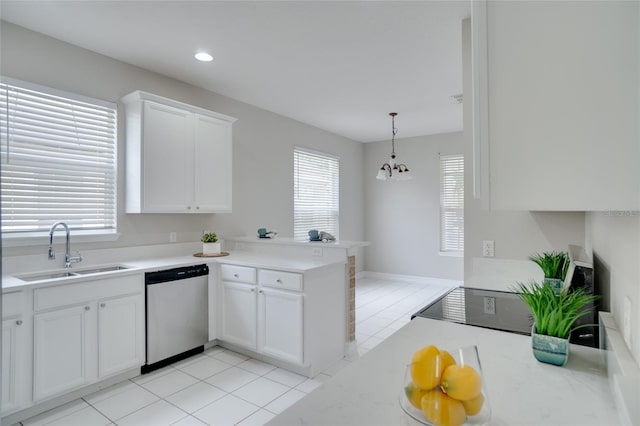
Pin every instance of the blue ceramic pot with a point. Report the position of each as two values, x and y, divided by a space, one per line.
555 283
549 349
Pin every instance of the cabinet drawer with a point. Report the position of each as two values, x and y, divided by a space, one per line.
12 304
71 294
238 273
279 279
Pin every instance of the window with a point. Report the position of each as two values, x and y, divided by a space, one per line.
315 193
452 204
58 161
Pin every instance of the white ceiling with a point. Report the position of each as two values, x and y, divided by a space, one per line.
341 66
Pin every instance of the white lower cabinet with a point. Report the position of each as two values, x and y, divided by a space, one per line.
15 356
238 305
255 316
62 348
100 335
120 334
280 323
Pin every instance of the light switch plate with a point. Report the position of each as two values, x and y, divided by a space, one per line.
488 248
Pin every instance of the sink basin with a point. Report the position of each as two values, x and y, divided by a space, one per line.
71 273
48 276
102 269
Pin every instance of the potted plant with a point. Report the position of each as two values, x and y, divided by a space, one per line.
554 315
210 243
554 265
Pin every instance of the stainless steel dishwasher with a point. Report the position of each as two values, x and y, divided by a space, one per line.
177 314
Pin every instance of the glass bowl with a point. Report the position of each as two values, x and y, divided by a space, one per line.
440 407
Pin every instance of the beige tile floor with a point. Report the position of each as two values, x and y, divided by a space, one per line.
221 387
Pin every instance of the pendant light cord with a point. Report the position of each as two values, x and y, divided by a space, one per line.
393 134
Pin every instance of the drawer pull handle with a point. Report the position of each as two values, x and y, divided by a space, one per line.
236 276
86 308
102 305
279 281
260 291
19 322
253 289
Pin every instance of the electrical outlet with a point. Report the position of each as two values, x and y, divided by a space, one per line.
489 305
626 321
488 248
317 251
172 237
239 246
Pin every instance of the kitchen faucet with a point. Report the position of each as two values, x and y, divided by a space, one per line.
68 259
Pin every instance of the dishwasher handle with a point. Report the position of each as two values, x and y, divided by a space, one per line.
175 274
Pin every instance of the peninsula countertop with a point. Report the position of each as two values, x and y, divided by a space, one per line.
521 390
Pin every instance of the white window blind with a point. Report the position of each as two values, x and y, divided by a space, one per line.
58 160
315 193
451 203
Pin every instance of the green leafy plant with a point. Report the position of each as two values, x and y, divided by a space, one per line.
555 314
553 264
209 237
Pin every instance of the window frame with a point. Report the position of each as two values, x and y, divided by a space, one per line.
299 234
27 238
445 248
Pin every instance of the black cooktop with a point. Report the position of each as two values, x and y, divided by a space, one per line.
499 310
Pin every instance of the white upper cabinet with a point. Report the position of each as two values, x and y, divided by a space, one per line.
178 157
556 105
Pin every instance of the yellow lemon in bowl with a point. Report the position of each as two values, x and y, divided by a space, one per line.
442 410
461 382
473 406
414 395
427 367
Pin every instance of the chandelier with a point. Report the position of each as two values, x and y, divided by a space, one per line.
391 170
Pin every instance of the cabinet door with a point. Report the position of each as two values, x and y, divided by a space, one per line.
120 334
563 105
212 164
280 324
167 159
62 350
14 358
238 305
213 309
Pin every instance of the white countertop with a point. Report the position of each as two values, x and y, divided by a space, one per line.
292 242
258 260
522 391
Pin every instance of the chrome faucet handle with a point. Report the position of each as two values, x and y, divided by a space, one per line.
52 254
75 259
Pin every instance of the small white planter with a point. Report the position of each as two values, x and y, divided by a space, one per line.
211 248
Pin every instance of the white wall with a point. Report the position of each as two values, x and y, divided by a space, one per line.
517 234
262 151
614 238
402 218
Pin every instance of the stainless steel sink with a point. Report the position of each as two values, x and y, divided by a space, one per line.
74 273
48 276
102 269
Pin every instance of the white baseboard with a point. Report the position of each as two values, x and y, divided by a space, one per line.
413 279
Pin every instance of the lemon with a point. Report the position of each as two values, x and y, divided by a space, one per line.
414 395
426 367
461 382
473 406
442 410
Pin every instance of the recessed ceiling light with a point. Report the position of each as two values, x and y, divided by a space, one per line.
203 57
